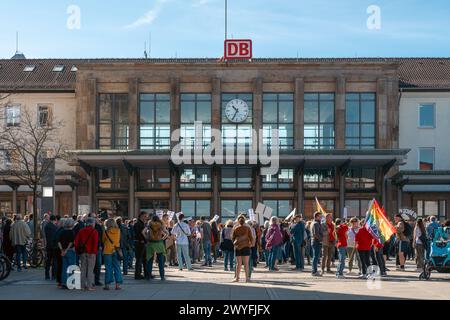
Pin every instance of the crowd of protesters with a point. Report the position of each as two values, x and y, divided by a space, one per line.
91 241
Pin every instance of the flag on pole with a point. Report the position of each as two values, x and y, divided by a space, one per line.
319 207
378 224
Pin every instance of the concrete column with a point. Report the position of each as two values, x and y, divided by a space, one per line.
133 114
132 194
382 115
399 197
74 200
173 189
340 113
14 200
174 106
215 184
299 111
216 103
257 181
257 104
92 190
341 195
300 192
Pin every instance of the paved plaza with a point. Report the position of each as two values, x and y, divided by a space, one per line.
215 284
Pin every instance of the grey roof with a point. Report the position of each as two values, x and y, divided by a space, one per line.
414 73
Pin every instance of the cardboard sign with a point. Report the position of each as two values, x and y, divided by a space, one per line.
171 215
216 218
291 215
251 215
268 212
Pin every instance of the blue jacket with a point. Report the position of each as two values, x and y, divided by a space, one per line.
297 232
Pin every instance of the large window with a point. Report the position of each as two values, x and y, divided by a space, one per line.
112 179
283 180
154 179
44 115
437 208
195 107
154 115
357 208
5 159
427 115
196 208
151 206
236 178
319 178
360 179
319 121
195 178
12 115
237 134
426 159
311 207
278 113
114 208
232 208
281 208
360 121
113 126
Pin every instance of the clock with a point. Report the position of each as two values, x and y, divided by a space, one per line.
237 111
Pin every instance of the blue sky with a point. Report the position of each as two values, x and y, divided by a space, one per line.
195 28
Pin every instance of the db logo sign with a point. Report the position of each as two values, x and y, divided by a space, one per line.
238 49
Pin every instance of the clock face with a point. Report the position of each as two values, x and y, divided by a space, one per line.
237 110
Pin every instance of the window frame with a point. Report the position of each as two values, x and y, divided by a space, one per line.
434 115
434 157
196 202
205 125
236 126
49 111
360 123
155 185
278 123
115 183
196 184
154 124
318 124
320 185
15 117
276 185
236 178
113 123
348 184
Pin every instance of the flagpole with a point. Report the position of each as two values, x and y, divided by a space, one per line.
226 19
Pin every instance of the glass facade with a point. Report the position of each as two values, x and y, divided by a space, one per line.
357 208
319 121
110 179
195 178
278 113
319 178
196 208
113 126
154 179
195 107
283 180
114 208
232 208
360 115
360 179
237 134
236 178
281 208
154 121
311 207
151 206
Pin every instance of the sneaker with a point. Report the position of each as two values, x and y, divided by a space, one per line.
362 276
340 276
317 274
226 269
235 280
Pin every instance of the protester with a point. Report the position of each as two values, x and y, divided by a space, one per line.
206 233
66 247
341 231
124 244
98 261
363 241
328 242
140 247
7 246
215 240
274 240
316 242
155 233
352 252
182 232
307 250
20 234
420 243
431 229
242 239
227 246
86 247
50 253
112 254
297 231
402 240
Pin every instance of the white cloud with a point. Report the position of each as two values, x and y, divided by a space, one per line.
198 3
149 16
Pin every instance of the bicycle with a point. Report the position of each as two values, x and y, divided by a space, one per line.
5 267
35 254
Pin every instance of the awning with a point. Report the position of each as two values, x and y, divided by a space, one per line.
422 178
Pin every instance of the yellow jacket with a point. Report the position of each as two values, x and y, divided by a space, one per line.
114 235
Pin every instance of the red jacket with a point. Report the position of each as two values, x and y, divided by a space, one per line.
89 237
376 244
341 231
363 240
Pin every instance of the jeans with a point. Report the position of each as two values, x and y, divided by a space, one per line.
161 260
340 268
228 258
352 253
141 254
68 260
273 256
183 252
50 261
125 261
207 251
21 252
112 268
316 247
298 255
266 256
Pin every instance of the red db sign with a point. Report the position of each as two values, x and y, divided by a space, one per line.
238 49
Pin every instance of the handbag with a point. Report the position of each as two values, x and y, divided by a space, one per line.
117 249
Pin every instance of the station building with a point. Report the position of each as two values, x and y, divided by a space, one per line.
339 122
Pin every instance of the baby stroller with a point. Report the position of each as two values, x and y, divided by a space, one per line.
439 256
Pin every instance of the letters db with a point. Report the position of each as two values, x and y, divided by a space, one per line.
238 49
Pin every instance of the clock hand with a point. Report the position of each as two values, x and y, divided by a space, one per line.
235 114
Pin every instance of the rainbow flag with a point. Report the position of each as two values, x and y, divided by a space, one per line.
378 224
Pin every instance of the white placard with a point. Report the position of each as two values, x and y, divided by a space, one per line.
216 218
251 215
291 215
345 213
171 215
260 208
160 214
268 212
260 219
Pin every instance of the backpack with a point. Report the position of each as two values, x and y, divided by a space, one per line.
408 230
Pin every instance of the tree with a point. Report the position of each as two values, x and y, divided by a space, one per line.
30 144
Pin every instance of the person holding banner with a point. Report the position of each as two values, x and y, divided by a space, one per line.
242 239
